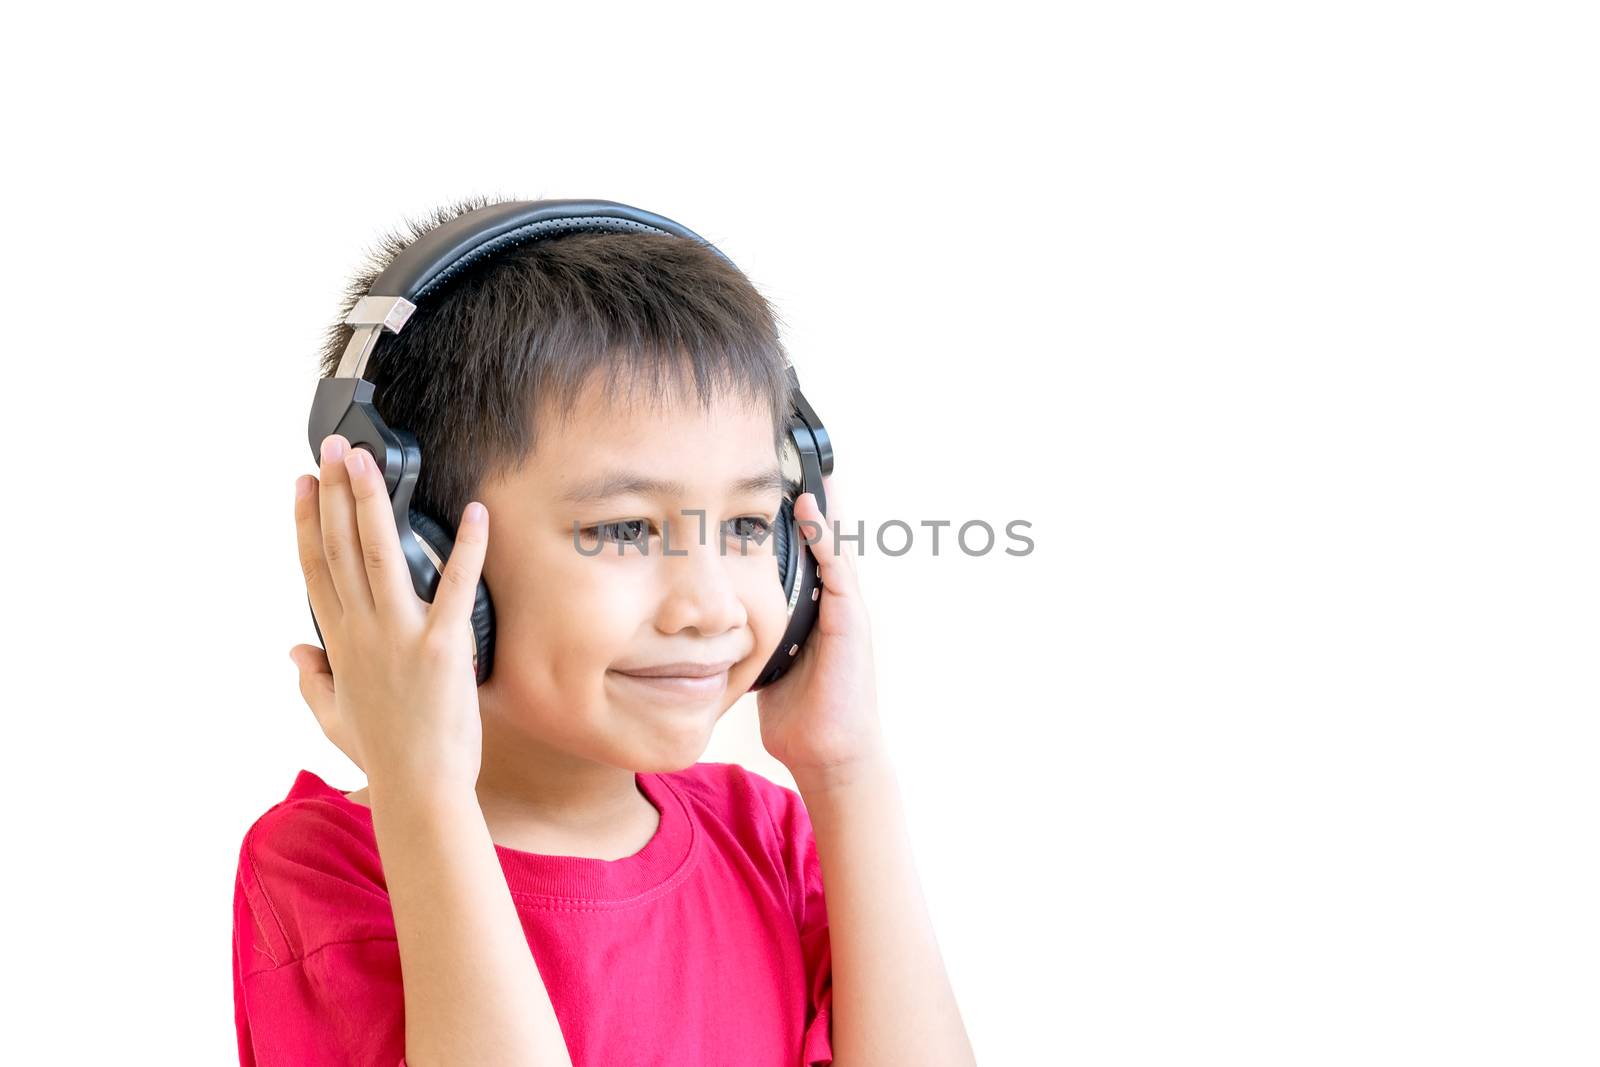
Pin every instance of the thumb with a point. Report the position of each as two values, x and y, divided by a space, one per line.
316 676
310 658
316 687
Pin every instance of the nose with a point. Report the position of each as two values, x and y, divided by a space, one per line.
699 592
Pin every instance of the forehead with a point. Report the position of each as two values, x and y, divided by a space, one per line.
610 427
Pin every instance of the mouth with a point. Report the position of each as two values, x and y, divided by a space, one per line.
683 681
678 686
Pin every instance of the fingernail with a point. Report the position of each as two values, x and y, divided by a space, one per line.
302 487
474 512
355 461
332 448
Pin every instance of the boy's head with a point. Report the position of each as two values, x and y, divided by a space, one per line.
534 382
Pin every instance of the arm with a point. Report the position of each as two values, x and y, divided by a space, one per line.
406 711
472 990
892 1002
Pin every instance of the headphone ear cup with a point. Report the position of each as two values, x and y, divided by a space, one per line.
783 534
440 541
790 548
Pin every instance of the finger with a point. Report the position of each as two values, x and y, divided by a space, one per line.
835 508
831 559
310 658
458 584
840 517
387 575
836 512
341 545
325 602
316 681
317 689
836 520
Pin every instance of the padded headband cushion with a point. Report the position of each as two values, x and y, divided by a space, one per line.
442 252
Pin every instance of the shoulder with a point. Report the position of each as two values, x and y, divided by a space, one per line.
308 874
314 827
728 790
762 816
767 819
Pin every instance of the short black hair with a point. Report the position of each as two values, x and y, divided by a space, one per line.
522 331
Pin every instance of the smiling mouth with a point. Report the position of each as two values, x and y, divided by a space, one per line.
678 686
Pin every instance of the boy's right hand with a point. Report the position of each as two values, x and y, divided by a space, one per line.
405 706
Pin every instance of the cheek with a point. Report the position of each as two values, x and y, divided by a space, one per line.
592 616
764 602
564 611
574 615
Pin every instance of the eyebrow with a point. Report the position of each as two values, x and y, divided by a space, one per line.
626 483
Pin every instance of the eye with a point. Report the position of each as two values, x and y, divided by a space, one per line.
758 527
626 531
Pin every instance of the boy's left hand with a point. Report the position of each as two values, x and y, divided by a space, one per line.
820 720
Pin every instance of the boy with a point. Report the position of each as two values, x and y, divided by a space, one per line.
541 858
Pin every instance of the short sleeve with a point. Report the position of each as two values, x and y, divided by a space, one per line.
316 966
804 876
341 1005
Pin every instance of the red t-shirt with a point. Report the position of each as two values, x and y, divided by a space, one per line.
708 946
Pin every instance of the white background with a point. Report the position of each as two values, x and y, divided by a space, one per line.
1277 322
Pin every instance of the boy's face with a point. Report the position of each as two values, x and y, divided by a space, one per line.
570 620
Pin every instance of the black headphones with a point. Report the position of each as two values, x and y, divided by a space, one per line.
344 404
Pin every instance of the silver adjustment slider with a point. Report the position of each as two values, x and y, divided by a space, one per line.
370 317
390 312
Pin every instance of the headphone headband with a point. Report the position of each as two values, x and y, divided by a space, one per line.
444 251
436 256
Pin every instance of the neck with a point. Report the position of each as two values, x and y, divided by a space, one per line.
542 799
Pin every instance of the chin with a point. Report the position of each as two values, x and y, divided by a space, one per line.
659 760
666 753
660 737
671 766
